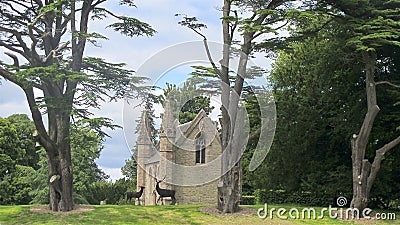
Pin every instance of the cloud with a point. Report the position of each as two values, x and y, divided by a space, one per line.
134 52
8 109
160 15
114 173
6 88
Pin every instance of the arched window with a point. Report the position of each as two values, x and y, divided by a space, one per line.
200 148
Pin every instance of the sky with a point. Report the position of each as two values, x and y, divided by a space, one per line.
134 52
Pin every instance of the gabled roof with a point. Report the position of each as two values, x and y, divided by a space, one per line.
185 130
188 127
182 132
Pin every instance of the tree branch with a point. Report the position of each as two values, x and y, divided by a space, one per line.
210 58
98 3
37 118
11 48
377 160
9 76
234 26
367 125
389 146
53 53
263 32
195 29
13 18
16 11
18 36
388 83
110 13
15 59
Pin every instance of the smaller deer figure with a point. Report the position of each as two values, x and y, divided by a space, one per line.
165 192
130 195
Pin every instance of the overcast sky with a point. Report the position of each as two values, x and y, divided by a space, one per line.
134 52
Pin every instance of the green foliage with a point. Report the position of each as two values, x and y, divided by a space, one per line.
113 193
132 27
86 146
25 129
37 75
254 114
128 3
193 106
10 151
69 83
248 200
130 167
298 198
319 91
372 23
374 27
39 181
317 96
21 185
149 109
385 193
17 157
10 155
189 100
191 22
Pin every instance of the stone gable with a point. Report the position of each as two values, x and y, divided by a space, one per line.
179 144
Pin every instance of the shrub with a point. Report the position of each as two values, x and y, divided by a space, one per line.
113 193
283 197
248 200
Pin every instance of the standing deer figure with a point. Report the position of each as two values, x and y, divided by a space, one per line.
130 195
165 192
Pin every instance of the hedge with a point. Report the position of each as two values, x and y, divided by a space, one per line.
248 200
282 197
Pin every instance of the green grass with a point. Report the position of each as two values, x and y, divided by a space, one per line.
128 214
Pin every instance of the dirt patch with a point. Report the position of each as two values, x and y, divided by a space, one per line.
243 211
77 209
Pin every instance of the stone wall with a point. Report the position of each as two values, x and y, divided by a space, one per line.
206 193
204 176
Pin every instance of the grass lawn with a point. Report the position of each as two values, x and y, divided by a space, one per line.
129 214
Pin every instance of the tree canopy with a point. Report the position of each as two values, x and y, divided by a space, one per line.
51 37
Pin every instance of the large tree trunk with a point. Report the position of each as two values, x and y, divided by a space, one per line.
60 184
226 186
229 191
233 136
361 166
54 184
59 164
56 142
364 173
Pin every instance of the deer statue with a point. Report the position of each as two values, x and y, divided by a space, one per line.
164 192
130 195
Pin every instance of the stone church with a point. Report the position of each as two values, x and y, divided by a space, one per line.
188 156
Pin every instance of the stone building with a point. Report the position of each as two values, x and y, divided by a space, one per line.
187 155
